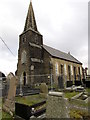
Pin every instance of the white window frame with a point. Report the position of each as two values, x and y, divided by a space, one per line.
56 69
65 69
81 70
71 70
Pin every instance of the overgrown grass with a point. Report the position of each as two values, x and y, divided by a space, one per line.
70 94
5 115
79 103
77 114
30 100
88 90
0 102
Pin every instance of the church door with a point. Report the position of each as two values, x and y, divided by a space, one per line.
24 78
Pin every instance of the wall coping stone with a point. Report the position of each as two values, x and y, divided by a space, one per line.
58 94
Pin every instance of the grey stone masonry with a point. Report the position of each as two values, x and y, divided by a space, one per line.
57 106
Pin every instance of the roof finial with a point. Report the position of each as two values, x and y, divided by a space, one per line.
69 52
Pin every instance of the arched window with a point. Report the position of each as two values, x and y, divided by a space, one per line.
61 66
65 69
23 57
69 72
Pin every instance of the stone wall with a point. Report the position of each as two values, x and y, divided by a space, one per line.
65 75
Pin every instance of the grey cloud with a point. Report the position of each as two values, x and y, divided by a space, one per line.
63 26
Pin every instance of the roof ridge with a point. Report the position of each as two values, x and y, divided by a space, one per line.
56 49
59 54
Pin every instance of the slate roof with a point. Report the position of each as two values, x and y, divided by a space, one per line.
59 54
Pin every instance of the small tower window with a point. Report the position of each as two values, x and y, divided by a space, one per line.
23 57
24 39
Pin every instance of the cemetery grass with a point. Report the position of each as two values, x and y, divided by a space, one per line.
4 115
30 100
69 95
0 102
77 114
79 104
88 90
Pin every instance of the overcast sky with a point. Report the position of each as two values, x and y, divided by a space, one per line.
63 24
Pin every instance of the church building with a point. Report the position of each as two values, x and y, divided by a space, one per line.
38 62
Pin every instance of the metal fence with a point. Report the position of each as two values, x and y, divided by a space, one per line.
29 84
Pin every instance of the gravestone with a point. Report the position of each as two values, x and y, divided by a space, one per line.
43 89
9 105
60 82
57 106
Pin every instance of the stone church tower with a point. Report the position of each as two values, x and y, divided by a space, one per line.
41 63
30 56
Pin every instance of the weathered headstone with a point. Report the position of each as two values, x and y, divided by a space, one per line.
9 105
57 106
43 89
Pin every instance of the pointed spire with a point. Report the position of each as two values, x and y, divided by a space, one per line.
30 20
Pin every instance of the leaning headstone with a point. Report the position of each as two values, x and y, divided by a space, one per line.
57 106
9 105
43 89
